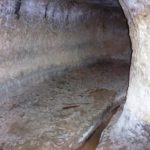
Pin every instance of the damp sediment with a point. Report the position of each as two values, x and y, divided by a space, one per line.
62 112
92 142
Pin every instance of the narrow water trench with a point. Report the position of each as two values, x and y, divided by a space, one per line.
93 141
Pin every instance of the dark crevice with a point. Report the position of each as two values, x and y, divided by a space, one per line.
17 9
93 141
46 8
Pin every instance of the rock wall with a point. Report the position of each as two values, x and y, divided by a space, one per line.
138 96
38 35
132 130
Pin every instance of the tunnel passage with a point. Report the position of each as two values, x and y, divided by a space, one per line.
64 68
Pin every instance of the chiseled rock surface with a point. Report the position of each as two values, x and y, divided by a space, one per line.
38 35
132 130
61 112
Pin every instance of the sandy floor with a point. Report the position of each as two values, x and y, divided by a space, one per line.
61 112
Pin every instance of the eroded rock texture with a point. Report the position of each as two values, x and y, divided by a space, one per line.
63 111
40 36
132 131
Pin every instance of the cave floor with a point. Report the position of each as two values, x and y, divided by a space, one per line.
61 112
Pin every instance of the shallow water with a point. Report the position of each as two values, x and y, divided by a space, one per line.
101 95
93 141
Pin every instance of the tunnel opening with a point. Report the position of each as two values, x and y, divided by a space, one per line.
64 72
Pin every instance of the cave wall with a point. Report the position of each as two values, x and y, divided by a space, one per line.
41 35
136 112
131 129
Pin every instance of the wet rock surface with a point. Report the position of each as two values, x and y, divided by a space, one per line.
61 112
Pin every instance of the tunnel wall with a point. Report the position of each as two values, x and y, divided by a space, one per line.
42 36
131 128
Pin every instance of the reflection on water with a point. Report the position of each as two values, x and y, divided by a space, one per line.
93 141
102 95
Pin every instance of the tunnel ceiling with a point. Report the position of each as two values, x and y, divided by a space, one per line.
41 6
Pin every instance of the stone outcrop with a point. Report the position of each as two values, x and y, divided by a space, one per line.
138 93
132 130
